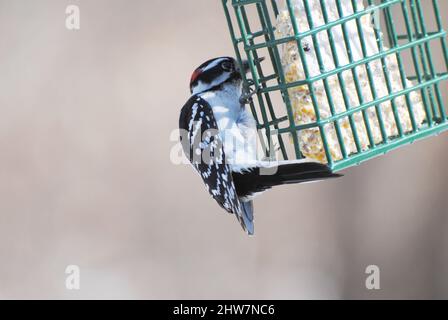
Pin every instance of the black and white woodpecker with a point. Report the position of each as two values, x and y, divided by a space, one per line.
219 137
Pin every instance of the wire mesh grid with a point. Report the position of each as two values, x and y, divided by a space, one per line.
413 33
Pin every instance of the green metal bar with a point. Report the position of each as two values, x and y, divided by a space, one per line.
330 25
412 40
282 80
307 75
239 59
414 15
263 81
357 159
240 3
361 62
441 113
426 59
394 43
405 36
440 74
247 29
268 78
327 88
275 122
355 77
369 74
267 96
275 7
252 36
235 46
440 28
443 42
379 41
370 104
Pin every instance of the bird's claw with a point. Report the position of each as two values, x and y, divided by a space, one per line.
246 99
248 93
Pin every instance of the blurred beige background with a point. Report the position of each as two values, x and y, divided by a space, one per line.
86 177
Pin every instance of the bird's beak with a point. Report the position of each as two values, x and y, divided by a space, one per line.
246 64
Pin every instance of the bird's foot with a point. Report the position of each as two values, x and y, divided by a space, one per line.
248 93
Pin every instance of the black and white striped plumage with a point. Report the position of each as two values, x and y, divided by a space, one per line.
202 138
218 136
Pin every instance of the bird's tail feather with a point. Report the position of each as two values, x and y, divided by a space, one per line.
250 182
258 179
299 172
247 216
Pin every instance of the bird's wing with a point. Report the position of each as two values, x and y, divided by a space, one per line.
203 146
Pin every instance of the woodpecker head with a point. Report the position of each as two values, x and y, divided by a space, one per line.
215 72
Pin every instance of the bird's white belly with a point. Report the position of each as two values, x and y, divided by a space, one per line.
237 129
239 137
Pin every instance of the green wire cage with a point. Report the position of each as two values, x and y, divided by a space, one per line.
343 80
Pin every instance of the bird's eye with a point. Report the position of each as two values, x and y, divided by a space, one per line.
306 47
227 66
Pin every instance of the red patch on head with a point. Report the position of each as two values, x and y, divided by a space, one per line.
195 75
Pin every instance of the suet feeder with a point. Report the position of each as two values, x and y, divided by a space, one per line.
344 80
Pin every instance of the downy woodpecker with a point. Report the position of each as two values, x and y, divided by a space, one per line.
218 136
